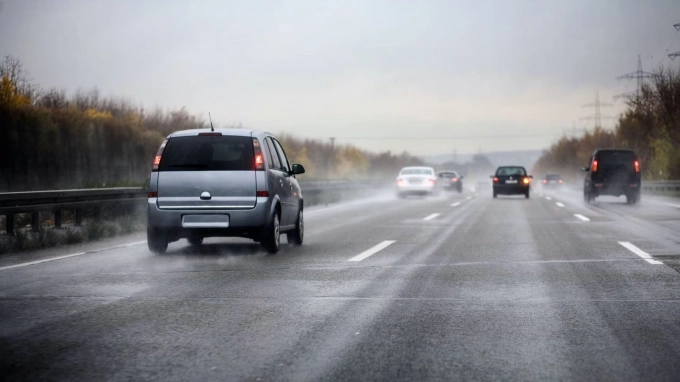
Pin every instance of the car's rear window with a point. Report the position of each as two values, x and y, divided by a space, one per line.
511 171
447 174
615 157
208 153
416 171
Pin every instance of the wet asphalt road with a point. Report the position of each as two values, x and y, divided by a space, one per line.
461 287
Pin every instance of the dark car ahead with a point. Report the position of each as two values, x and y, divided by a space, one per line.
450 180
552 181
511 180
613 172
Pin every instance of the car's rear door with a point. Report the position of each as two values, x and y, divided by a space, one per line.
510 175
209 171
290 183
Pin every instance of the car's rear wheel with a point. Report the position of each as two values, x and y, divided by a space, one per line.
156 240
271 237
195 240
298 234
526 194
632 197
495 195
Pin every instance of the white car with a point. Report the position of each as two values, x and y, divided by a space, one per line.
416 181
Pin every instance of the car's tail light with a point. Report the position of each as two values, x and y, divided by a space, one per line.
159 154
262 193
560 181
593 168
153 194
401 182
259 159
454 179
431 182
637 166
495 180
526 180
545 181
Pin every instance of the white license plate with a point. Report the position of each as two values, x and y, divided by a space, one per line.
510 182
205 221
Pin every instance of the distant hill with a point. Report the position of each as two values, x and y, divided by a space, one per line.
526 158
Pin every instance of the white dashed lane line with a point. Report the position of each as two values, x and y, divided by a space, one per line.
584 218
646 256
559 204
372 251
71 255
456 204
673 205
430 217
548 198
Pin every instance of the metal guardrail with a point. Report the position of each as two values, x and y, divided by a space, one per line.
662 186
34 202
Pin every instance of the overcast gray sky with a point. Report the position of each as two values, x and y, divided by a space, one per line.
353 69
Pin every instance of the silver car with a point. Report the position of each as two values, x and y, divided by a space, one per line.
230 182
416 181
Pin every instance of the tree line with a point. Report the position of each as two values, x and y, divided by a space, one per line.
650 125
52 140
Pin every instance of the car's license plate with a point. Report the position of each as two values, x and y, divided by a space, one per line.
510 182
205 221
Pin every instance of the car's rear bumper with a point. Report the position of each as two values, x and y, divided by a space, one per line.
614 189
415 189
510 189
240 221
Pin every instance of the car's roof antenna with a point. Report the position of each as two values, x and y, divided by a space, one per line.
211 126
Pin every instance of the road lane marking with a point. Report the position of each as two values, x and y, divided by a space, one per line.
559 204
430 217
648 258
468 198
548 198
456 204
372 251
585 219
673 205
71 255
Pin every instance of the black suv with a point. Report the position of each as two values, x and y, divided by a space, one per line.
613 172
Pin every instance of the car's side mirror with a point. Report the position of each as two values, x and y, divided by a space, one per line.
531 176
585 169
461 177
492 176
298 169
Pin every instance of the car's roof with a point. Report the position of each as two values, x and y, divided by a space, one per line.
443 171
605 150
418 168
510 166
232 132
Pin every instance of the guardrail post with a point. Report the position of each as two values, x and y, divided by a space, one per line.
9 224
79 217
35 221
57 218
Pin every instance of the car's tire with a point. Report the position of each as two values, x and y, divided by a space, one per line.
297 235
526 195
156 240
271 236
460 190
632 198
495 195
195 240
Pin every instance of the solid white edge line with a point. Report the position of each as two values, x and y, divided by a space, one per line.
548 198
456 204
646 256
372 251
559 204
430 217
673 205
584 218
71 255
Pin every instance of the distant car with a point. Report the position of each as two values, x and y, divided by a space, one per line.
613 172
416 181
511 180
450 180
552 181
228 182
